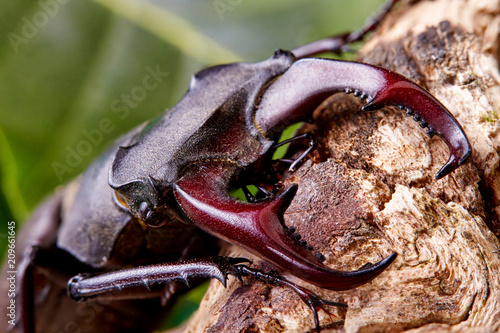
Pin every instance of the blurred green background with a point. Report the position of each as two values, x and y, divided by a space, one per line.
74 75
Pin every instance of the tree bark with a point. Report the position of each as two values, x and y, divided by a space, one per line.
369 190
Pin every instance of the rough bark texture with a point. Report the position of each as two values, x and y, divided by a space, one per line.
369 190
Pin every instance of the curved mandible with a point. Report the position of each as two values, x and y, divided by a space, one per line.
258 227
308 82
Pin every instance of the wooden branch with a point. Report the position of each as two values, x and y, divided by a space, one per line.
369 190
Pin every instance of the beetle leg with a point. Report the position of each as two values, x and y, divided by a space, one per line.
313 301
294 163
83 287
338 44
258 227
308 82
248 195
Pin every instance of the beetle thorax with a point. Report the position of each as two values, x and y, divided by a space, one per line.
212 122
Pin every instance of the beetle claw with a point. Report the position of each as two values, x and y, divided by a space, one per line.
308 82
258 227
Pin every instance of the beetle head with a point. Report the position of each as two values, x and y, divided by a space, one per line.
141 196
141 199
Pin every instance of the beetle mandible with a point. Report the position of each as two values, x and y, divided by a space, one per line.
143 202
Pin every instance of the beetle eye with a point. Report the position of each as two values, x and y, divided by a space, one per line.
144 211
146 214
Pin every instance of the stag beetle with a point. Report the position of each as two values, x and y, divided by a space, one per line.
122 235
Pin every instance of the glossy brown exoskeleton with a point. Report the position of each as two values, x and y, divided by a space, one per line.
131 226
